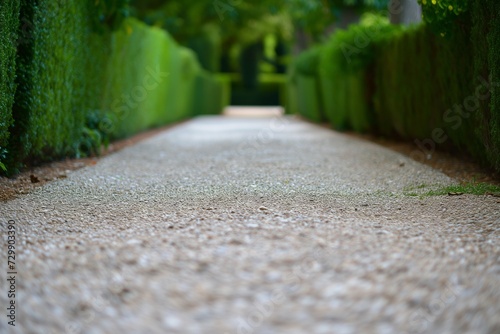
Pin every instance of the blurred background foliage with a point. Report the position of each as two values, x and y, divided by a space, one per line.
443 15
73 71
252 42
245 23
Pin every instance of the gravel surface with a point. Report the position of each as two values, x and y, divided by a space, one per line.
253 225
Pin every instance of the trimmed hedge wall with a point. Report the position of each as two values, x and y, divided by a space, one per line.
411 83
48 111
346 74
337 72
9 23
421 96
81 83
138 78
151 81
437 92
486 45
305 87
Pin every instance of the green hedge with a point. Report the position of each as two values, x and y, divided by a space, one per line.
209 93
138 78
494 68
305 80
436 84
436 92
271 90
346 65
292 94
151 81
49 110
486 45
206 46
334 81
417 93
82 81
9 23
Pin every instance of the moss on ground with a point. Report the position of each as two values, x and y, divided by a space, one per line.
472 188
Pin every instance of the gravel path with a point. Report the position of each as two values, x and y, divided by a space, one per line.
253 225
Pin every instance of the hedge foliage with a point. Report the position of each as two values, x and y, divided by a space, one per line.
306 83
151 81
440 90
439 112
442 15
9 23
83 81
137 79
346 65
48 112
486 45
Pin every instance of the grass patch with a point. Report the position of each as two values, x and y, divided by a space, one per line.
414 190
466 188
472 188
